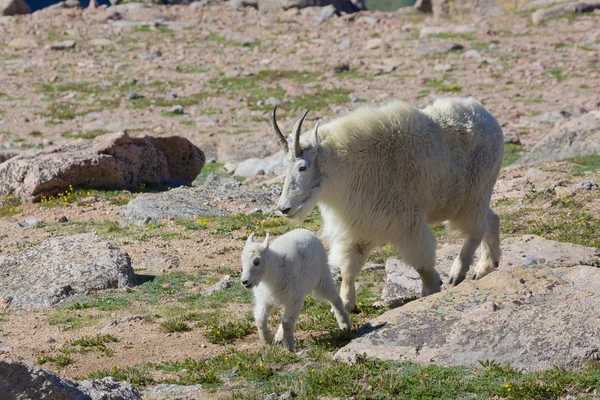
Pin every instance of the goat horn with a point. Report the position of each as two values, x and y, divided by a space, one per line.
296 133
282 140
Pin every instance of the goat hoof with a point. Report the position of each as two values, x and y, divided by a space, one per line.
455 280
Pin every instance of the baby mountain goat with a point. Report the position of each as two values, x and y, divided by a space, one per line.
381 175
282 274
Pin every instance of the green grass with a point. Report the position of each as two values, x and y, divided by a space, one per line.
228 331
67 111
85 135
67 320
9 206
263 85
258 223
440 86
59 359
78 195
142 28
137 376
584 164
208 169
144 102
175 325
557 74
448 35
512 152
272 370
569 224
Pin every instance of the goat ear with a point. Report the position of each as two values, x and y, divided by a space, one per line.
250 238
266 242
314 139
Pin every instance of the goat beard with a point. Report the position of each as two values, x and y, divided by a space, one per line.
306 207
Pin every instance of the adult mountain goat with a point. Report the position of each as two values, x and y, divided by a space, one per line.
381 175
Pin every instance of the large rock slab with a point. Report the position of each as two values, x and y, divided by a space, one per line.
576 7
216 197
347 6
460 8
576 137
21 381
112 161
59 268
14 7
529 251
261 166
532 318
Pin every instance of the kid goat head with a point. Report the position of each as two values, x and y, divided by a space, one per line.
303 179
254 259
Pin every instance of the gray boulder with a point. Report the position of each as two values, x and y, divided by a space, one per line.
347 6
532 318
530 251
112 161
59 268
216 197
268 165
576 137
576 7
459 8
21 381
169 391
14 7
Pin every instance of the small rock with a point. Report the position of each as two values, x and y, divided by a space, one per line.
368 20
325 13
133 96
63 220
232 74
555 185
588 185
150 55
442 67
554 116
472 54
31 223
375 43
101 42
274 101
66 44
230 167
531 172
563 192
189 284
354 98
177 109
493 46
341 68
344 44
512 136
223 284
165 285
22 43
172 95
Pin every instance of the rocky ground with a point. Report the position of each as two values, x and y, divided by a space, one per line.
212 74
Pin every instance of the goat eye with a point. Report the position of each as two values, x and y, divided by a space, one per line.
256 262
302 168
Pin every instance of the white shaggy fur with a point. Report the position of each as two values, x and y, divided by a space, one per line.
282 274
381 175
